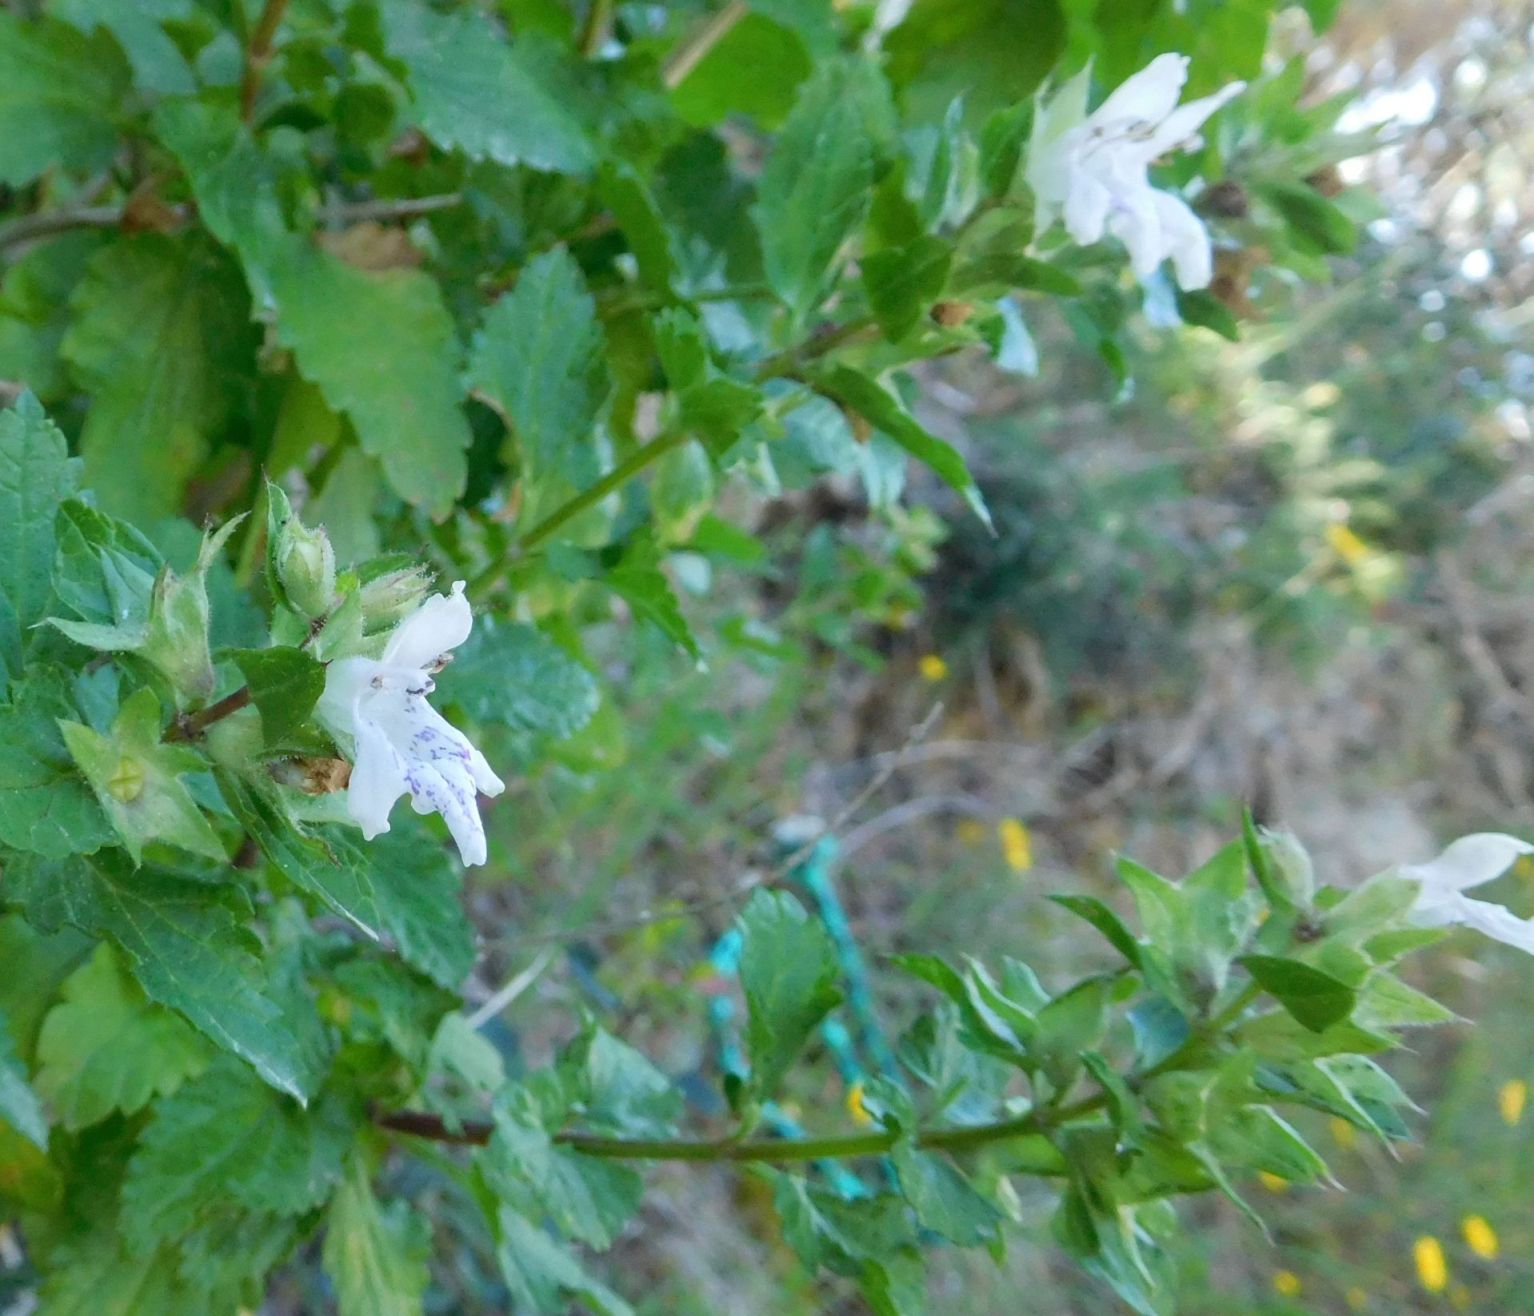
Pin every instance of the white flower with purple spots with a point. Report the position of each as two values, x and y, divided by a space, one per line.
398 743
1470 862
1091 169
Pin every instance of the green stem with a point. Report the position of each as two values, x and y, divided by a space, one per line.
779 1150
614 480
694 50
599 26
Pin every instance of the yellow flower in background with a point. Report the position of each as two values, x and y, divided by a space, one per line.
1272 1182
1357 1299
931 667
970 831
855 1106
1512 1096
1432 1268
1016 844
1481 1237
1287 1284
1346 545
1343 1133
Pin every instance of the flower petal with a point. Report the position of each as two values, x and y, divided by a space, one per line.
1136 223
379 778
1146 97
1181 126
1499 924
438 626
346 680
1185 240
1087 204
1468 862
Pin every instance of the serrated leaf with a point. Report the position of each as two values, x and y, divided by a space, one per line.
543 1276
401 888
158 64
512 673
814 189
474 91
285 684
184 940
881 409
161 338
18 1103
105 570
539 359
197 1152
106 1047
59 91
943 1199
375 1258
620 1090
586 1197
788 971
1315 999
45 806
382 348
36 475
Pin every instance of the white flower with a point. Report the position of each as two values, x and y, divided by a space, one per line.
398 743
1469 862
1091 169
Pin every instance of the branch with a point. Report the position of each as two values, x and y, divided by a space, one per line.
257 54
379 209
476 1133
194 724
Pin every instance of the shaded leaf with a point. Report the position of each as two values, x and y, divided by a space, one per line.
788 972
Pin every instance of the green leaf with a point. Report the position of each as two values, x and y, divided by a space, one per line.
634 209
1255 1138
543 1276
382 349
994 53
36 475
400 889
161 338
185 941
45 807
1008 271
197 1153
1315 999
901 284
754 68
639 581
105 570
138 780
59 92
18 1103
814 189
285 684
1093 911
881 409
1321 226
943 1199
158 64
511 673
106 1047
619 1089
375 1258
586 1197
1209 312
539 359
788 972
474 91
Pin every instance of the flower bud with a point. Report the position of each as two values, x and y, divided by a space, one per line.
393 596
306 567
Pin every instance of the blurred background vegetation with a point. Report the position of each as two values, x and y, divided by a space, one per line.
1291 571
